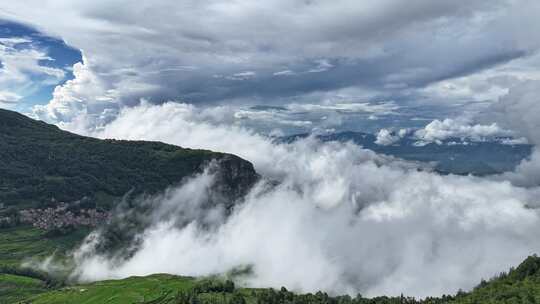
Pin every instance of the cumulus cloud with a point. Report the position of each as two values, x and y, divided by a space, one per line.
342 219
437 130
386 137
519 110
86 94
321 47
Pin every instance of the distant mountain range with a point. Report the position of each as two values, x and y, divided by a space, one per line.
450 156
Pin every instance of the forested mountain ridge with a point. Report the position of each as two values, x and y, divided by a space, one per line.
40 164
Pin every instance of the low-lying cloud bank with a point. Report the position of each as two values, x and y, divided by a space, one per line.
520 110
342 219
437 131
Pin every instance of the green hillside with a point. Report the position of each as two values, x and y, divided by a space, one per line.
520 285
40 164
56 186
23 285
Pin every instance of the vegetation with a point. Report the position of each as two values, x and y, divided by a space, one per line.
41 165
519 285
18 244
130 290
14 288
55 186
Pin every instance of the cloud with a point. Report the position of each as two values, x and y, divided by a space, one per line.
519 110
323 65
437 131
9 97
284 73
22 69
383 47
272 117
309 117
86 94
382 108
342 219
386 137
242 75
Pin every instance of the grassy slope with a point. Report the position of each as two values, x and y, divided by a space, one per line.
520 285
19 244
15 288
130 290
39 162
23 242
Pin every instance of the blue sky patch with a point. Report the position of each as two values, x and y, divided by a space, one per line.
32 65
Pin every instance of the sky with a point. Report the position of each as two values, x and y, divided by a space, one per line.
32 65
223 75
282 66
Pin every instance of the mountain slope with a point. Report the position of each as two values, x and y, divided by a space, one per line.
520 285
40 164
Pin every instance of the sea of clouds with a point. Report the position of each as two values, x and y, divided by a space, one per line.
340 219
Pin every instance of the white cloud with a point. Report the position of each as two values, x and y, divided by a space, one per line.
323 65
438 130
386 137
382 108
343 219
519 110
284 73
21 70
271 117
242 75
78 96
8 98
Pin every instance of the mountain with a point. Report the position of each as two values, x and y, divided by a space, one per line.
520 285
453 155
41 165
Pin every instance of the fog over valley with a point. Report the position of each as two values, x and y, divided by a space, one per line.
378 149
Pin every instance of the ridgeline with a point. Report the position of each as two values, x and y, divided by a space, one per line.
41 165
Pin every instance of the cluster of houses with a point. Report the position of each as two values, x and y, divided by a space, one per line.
6 221
60 218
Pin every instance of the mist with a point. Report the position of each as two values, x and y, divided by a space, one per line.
327 216
341 218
